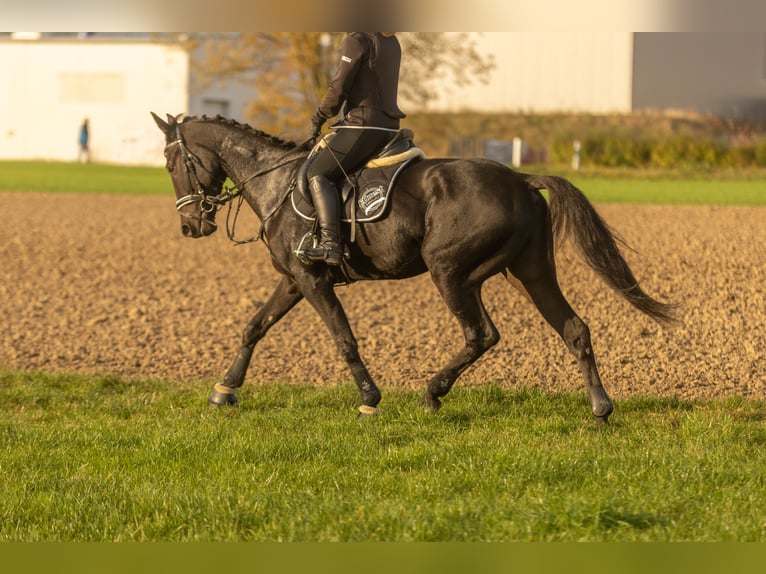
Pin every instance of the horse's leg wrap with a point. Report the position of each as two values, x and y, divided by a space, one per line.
235 376
368 390
226 393
367 411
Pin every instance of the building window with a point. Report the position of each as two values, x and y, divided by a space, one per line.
214 107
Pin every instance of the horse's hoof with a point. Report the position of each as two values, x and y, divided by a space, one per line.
601 410
366 411
223 398
432 403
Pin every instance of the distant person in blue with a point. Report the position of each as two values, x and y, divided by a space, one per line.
84 155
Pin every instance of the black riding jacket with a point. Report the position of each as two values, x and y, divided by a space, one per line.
366 81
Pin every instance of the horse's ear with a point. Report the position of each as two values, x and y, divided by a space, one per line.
164 126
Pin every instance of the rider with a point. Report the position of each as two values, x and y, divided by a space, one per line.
366 82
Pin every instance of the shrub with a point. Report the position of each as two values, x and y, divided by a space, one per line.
759 153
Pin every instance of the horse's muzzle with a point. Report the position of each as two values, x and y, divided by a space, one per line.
198 228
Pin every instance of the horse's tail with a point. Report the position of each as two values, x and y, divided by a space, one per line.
573 215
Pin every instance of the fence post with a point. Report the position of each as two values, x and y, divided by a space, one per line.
516 152
576 155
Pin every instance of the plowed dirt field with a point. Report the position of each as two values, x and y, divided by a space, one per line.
107 284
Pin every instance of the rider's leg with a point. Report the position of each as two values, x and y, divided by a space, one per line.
348 151
327 205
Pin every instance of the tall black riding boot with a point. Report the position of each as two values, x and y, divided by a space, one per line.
327 205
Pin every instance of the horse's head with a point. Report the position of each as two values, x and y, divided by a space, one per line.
197 176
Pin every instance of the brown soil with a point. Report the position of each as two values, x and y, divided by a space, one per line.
104 284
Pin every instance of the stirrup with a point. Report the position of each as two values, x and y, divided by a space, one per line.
330 256
311 241
308 241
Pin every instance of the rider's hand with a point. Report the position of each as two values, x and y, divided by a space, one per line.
317 121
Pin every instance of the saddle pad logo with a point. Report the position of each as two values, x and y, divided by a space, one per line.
372 199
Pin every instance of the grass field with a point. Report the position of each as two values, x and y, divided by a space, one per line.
99 458
673 192
600 186
83 178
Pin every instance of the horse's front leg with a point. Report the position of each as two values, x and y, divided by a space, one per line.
321 295
284 298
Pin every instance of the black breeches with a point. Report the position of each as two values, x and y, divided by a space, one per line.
351 148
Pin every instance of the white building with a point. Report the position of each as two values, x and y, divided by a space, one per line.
717 73
548 72
50 83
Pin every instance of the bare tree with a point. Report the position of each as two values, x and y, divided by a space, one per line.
289 71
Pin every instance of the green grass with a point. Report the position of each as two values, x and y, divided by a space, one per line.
673 192
83 178
601 186
100 458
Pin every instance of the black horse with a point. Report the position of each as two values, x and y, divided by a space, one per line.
461 220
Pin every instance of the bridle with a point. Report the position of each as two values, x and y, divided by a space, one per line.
209 202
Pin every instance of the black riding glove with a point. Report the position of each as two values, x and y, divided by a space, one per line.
317 121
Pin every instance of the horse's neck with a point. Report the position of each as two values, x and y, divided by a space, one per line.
253 164
238 155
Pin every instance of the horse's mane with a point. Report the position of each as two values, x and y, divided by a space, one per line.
244 128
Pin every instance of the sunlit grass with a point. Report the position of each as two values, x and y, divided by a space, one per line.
99 458
83 178
601 186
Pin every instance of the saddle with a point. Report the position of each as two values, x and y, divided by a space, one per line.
364 197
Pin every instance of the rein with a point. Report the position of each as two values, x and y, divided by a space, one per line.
210 203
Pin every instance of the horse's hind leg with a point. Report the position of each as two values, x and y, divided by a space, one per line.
284 298
539 281
480 335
